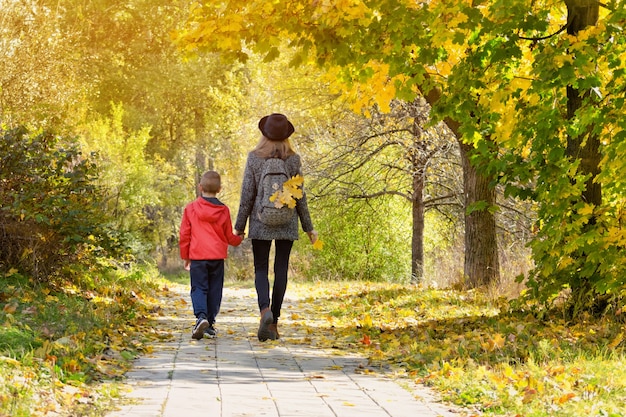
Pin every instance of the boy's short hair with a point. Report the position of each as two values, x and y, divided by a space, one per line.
211 182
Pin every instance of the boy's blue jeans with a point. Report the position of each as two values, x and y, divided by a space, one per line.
261 252
207 285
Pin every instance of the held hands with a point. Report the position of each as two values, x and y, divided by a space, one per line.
240 233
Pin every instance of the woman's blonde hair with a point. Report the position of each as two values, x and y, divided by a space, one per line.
273 149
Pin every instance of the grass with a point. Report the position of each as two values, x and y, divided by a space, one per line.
63 348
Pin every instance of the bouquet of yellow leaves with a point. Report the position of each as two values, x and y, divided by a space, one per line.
289 193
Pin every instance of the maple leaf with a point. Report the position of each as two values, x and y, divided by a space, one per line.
618 339
497 342
318 244
289 193
366 340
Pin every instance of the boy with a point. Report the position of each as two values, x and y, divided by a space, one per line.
205 233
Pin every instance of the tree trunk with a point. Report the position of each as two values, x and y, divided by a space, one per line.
419 159
417 240
586 147
482 266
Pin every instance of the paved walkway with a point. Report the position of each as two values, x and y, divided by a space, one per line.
235 375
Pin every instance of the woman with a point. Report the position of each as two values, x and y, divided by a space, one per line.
274 143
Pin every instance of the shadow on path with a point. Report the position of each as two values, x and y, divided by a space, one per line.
235 375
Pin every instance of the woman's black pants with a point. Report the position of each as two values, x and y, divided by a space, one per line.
261 252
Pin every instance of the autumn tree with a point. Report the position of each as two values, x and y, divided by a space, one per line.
107 72
498 72
38 67
372 45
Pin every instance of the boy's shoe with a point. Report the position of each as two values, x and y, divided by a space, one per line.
210 332
264 327
198 330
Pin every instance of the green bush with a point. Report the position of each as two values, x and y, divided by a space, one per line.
50 216
362 241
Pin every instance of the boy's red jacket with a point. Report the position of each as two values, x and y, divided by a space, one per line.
206 231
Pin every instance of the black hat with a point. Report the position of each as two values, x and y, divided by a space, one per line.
276 127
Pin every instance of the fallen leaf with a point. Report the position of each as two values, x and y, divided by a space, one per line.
565 398
10 308
618 339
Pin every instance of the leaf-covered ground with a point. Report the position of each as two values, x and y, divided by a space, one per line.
474 351
63 351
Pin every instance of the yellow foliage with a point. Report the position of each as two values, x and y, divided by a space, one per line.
587 210
335 11
290 192
616 341
497 342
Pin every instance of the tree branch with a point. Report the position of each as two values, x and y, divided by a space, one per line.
379 194
542 38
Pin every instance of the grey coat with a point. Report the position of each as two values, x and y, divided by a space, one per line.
250 203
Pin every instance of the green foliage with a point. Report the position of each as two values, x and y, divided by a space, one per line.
578 247
362 241
127 175
50 216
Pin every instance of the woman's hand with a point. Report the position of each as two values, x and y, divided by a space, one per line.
312 235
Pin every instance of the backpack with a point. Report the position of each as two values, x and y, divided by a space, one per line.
273 177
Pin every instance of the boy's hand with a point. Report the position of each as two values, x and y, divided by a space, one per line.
187 264
240 233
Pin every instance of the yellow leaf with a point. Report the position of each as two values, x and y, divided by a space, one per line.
618 339
498 341
294 182
367 321
565 398
587 210
291 203
296 193
289 193
318 244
